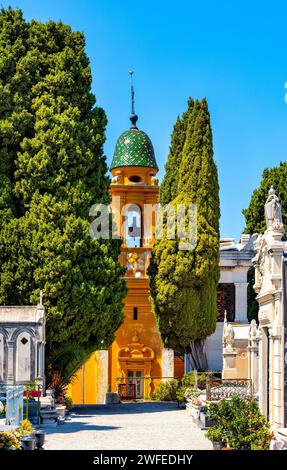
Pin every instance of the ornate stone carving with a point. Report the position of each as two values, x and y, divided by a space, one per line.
135 351
135 264
154 181
117 179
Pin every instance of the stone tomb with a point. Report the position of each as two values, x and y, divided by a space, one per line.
235 356
267 346
22 344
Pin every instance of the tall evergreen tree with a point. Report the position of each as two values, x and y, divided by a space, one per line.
16 121
55 170
184 283
169 184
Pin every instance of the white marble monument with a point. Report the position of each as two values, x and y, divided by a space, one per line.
266 346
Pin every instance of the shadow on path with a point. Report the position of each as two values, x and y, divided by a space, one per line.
125 408
79 426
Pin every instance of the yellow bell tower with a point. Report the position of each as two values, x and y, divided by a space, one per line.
136 354
137 359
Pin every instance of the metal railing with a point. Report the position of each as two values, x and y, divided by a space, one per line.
218 389
144 386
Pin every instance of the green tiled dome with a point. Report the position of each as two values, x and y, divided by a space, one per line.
134 148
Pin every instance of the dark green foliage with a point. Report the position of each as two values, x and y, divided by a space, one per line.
166 391
239 424
255 218
184 283
174 390
169 184
254 214
190 382
52 169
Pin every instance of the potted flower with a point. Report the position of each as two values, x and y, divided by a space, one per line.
27 435
215 435
242 425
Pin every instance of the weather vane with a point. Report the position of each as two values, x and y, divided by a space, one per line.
133 116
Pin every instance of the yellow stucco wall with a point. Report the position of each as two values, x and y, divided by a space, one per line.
90 384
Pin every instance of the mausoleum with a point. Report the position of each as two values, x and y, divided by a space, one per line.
22 345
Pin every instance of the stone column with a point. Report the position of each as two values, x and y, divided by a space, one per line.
10 362
276 377
167 363
264 364
253 367
241 301
253 359
102 358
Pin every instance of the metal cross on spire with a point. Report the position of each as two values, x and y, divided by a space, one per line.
133 116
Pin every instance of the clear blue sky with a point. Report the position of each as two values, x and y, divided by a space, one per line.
234 53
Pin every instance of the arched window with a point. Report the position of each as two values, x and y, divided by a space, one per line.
133 226
23 357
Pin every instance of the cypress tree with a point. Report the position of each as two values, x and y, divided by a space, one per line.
55 170
15 117
184 283
169 184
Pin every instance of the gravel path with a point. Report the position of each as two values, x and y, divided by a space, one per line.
146 426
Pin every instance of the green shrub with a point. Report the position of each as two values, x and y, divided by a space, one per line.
174 390
68 403
214 434
239 424
166 391
189 380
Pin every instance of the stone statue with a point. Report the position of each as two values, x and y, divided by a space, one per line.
253 333
228 337
273 214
